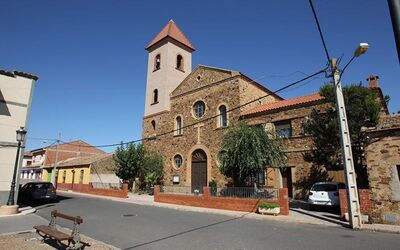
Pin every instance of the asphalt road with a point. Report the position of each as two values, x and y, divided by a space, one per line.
130 226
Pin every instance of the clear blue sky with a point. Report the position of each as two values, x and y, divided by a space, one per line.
91 62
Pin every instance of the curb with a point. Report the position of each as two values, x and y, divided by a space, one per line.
21 211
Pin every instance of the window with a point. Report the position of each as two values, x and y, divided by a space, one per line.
178 126
155 96
398 171
179 62
81 176
199 109
260 179
64 176
283 129
28 163
157 62
153 124
222 116
178 161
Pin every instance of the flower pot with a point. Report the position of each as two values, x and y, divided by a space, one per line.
272 211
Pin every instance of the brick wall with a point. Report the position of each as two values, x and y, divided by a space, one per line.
364 198
235 204
86 188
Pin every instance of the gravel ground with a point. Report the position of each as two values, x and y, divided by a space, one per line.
32 241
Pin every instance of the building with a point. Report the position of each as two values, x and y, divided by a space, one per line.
42 163
79 174
382 154
16 92
177 96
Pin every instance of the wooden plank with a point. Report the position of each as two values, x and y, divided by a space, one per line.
77 219
54 233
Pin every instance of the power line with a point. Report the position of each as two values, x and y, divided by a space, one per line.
209 118
319 30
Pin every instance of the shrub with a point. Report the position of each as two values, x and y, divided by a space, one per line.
267 205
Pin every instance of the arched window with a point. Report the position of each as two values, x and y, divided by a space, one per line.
179 62
178 161
157 62
222 116
178 125
155 96
153 124
199 108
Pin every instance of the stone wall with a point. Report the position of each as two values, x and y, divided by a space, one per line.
382 155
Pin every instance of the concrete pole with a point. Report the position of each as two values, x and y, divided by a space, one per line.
394 8
53 176
347 155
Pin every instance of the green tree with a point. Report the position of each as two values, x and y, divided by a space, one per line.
153 168
129 160
362 109
247 151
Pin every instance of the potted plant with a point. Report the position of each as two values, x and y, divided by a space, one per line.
268 208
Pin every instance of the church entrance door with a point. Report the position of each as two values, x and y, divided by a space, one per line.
199 170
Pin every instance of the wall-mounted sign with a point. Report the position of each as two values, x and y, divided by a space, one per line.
175 179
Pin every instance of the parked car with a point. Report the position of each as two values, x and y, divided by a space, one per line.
325 194
37 191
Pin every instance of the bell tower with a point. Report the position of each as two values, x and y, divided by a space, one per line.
169 62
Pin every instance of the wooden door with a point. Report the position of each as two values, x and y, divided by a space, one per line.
199 170
287 180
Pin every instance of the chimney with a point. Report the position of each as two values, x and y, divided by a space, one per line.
373 82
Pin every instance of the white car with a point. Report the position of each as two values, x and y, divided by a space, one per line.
325 194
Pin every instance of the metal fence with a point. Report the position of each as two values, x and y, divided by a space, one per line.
246 192
181 190
104 185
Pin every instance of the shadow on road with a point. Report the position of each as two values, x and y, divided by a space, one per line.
185 232
39 204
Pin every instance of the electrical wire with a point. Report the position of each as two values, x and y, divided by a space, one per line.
209 118
319 30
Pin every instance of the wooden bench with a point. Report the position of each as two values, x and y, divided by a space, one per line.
51 231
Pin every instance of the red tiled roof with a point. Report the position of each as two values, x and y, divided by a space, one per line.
171 30
285 103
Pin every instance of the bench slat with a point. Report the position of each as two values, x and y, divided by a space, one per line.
58 235
78 219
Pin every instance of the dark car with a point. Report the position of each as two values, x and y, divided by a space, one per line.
37 191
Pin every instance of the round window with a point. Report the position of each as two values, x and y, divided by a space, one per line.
199 109
178 161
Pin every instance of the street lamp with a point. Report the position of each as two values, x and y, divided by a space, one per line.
347 155
20 138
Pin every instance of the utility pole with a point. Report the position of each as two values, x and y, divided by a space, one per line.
394 8
347 155
53 176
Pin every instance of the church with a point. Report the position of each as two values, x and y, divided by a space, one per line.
186 116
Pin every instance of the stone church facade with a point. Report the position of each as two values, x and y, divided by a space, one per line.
186 116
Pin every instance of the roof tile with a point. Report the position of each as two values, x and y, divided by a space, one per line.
171 30
285 103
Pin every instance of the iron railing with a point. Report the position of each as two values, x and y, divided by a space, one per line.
246 192
181 190
104 185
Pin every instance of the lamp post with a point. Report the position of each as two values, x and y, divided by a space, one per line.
20 138
347 155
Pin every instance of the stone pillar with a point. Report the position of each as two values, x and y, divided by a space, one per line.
206 192
284 201
156 192
125 189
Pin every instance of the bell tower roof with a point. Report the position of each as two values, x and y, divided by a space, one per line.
171 30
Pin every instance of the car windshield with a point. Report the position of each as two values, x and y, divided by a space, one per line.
43 186
324 187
